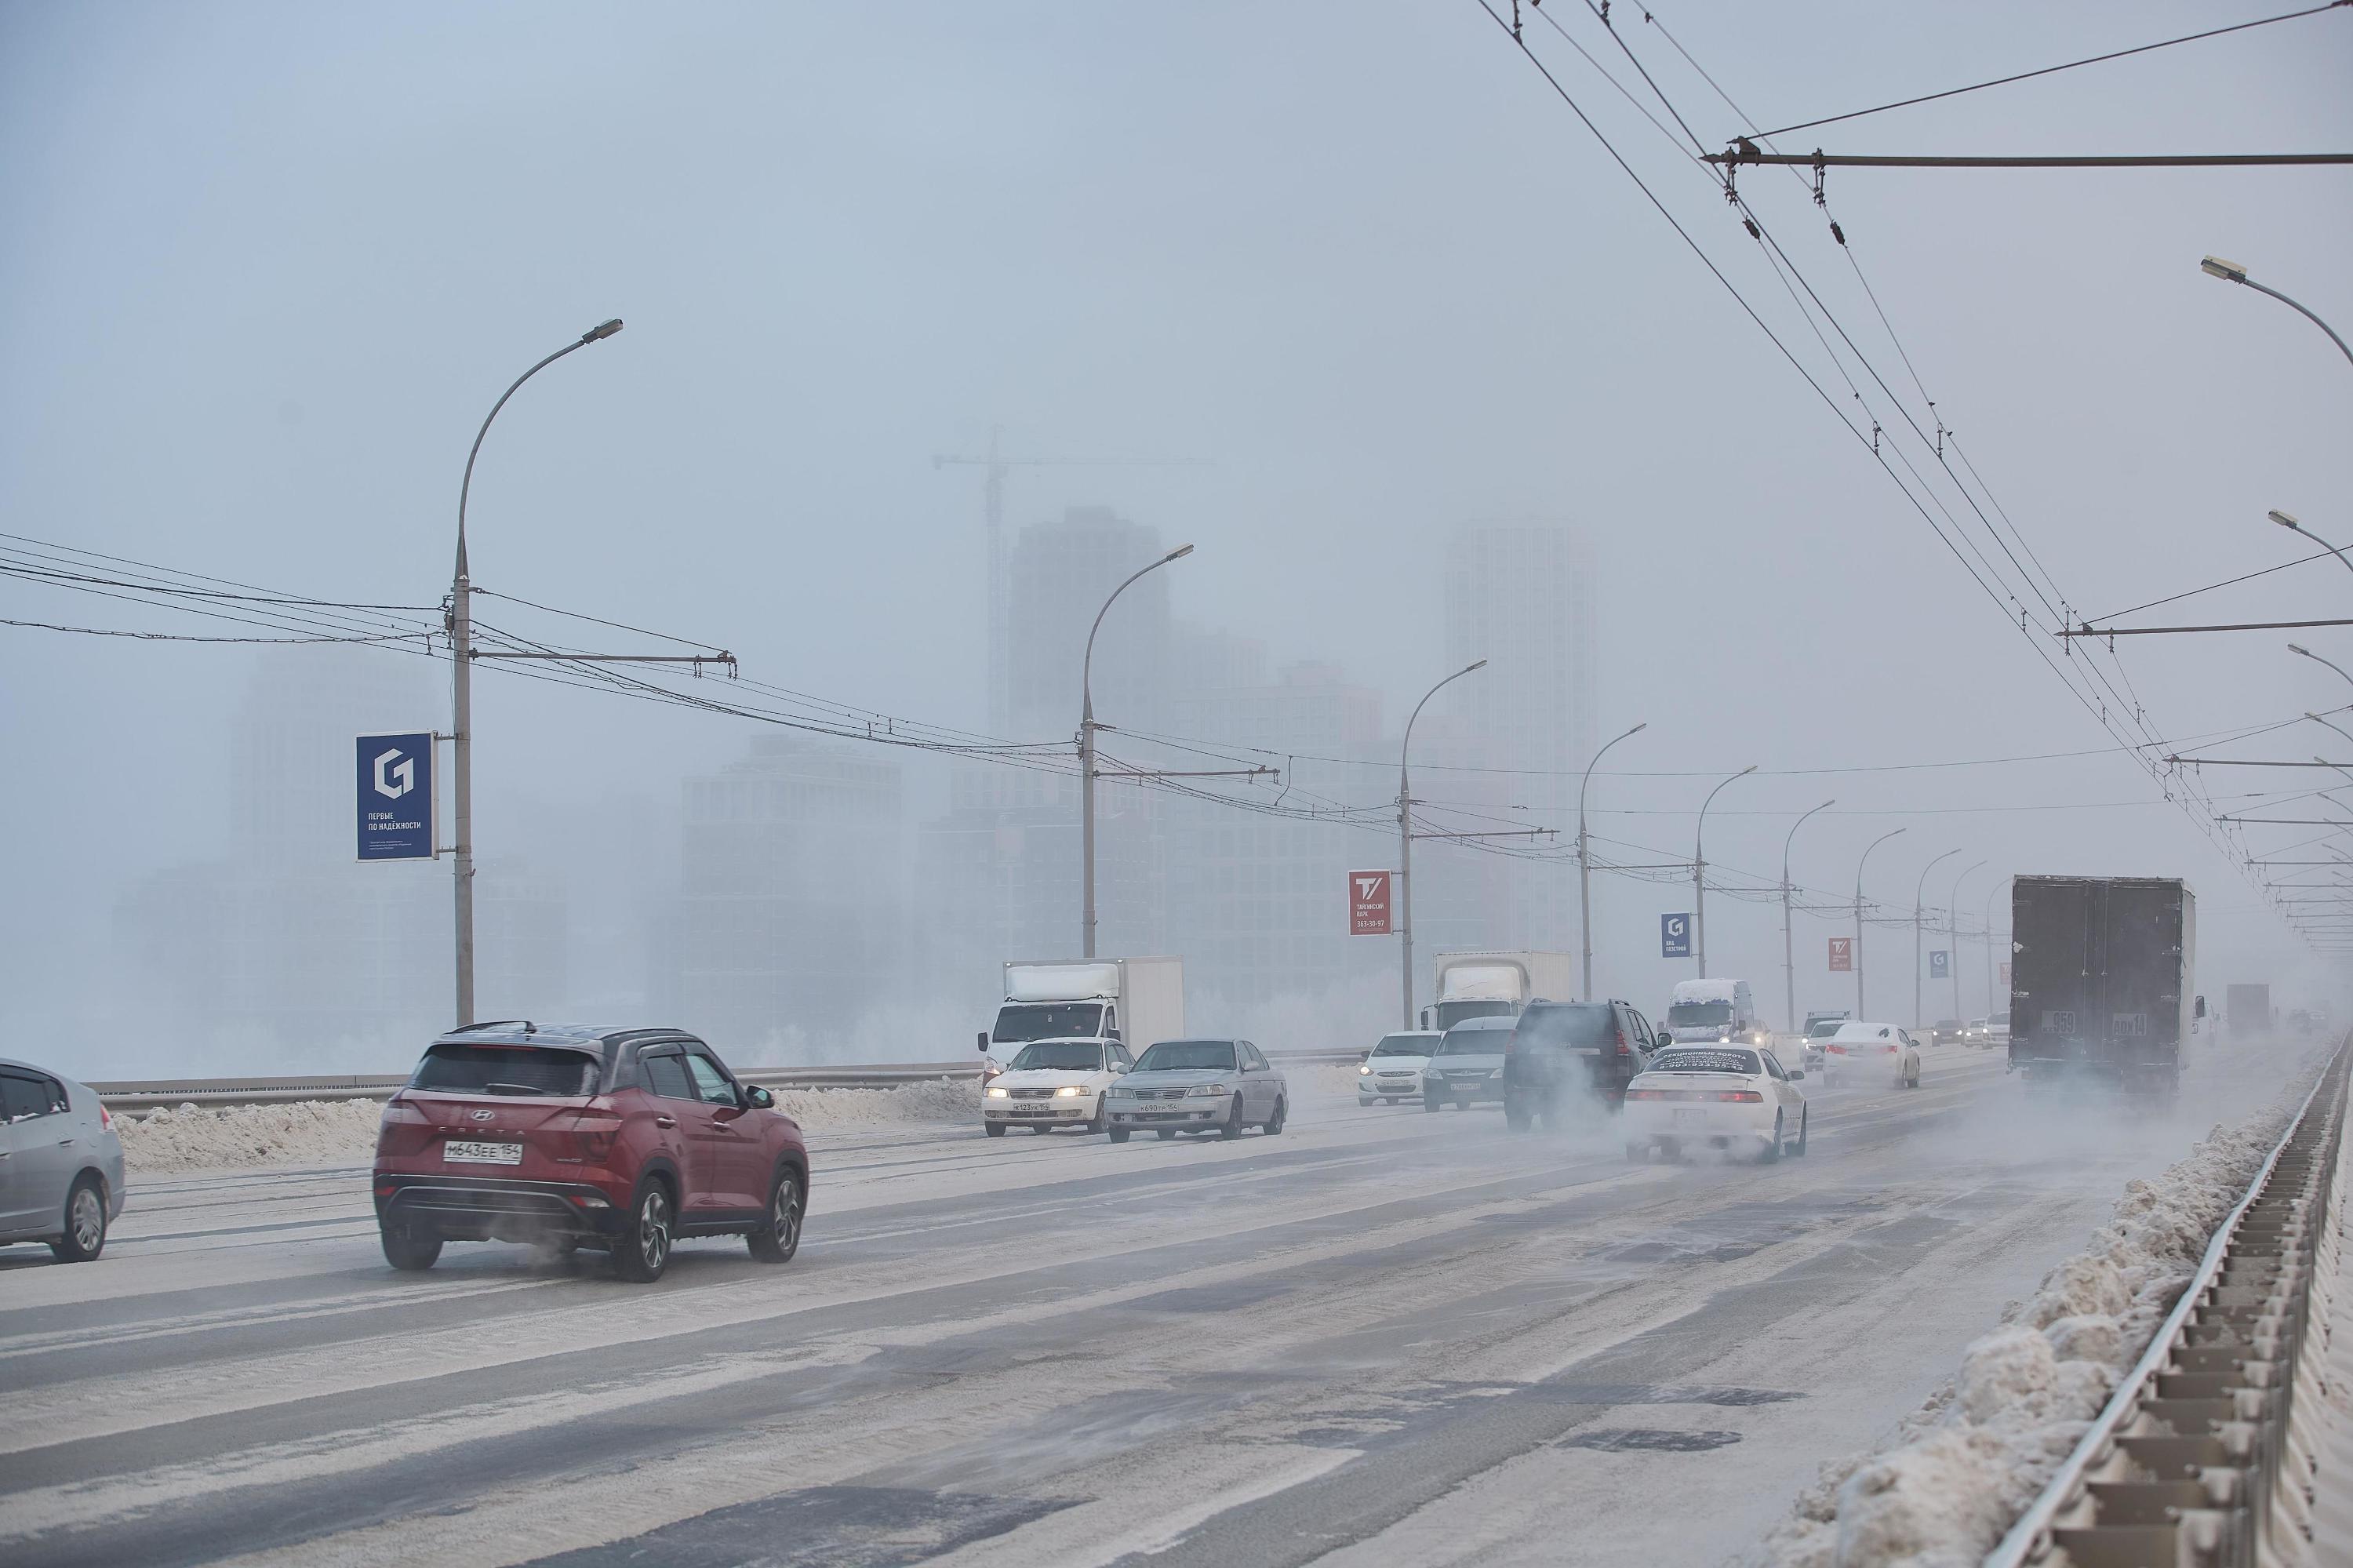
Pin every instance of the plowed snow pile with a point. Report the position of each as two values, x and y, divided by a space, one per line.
1964 1465
342 1132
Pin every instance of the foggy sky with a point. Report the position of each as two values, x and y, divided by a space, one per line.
263 268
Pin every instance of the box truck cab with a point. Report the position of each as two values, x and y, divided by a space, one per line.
1099 1002
1496 985
1713 1013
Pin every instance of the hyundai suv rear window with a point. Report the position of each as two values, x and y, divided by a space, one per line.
506 1070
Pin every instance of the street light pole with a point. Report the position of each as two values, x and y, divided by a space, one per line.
1087 756
1585 869
2316 658
461 691
2287 520
1953 935
1788 952
1698 869
2232 272
1858 917
1917 893
1990 1008
1405 844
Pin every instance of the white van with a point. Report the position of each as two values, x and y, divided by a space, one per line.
1714 1012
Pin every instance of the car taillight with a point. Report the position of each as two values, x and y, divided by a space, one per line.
1646 1094
1623 1049
593 1129
105 1119
399 1113
1739 1096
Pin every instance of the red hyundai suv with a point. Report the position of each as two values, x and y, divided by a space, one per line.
621 1140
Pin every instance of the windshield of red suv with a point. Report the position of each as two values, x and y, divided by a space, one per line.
506 1070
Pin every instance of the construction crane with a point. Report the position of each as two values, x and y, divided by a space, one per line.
995 464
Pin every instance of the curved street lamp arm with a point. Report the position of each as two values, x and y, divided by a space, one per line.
2308 315
465 488
1407 742
2316 658
1793 834
1704 805
1926 869
1087 666
1866 859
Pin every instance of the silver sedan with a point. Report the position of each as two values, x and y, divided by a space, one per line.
1198 1085
60 1163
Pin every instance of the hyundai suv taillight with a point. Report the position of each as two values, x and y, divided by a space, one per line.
589 1139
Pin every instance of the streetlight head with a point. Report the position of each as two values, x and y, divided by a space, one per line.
1640 727
2299 648
601 330
2219 267
2283 519
1178 554
1747 770
1480 665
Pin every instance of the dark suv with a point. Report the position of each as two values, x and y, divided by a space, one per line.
1561 1052
622 1140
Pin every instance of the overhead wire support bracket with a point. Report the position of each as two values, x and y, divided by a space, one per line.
2087 630
1743 151
697 660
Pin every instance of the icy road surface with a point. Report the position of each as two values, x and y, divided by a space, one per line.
1384 1338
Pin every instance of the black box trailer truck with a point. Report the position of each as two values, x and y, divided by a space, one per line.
2101 971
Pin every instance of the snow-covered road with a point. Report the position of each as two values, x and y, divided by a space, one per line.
1383 1338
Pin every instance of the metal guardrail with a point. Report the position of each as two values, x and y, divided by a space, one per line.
2192 1462
129 1095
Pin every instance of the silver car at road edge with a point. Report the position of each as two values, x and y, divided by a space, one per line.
60 1163
1198 1085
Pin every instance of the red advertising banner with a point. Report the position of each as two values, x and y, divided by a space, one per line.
1842 954
1368 904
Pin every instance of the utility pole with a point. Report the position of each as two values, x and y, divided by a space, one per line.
1788 951
1404 843
1699 873
1585 865
1953 935
1859 865
1991 1006
1918 965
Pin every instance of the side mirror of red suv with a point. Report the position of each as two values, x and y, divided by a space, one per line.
759 1098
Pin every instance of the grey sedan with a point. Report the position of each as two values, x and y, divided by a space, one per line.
1468 1064
1198 1085
60 1163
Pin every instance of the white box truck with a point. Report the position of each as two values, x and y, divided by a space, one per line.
1132 1000
1708 1012
1483 985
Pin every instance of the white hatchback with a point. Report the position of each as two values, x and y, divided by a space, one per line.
1734 1097
1053 1083
1392 1071
1863 1050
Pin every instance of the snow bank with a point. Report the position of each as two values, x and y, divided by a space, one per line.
1964 1465
342 1132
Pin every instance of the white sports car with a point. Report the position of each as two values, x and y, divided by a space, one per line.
1053 1083
1858 1050
1731 1098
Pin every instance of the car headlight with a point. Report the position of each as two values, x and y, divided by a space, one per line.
998 1094
1365 1069
1068 1091
1206 1089
1495 1073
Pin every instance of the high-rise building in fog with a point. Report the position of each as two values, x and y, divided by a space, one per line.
288 949
1001 869
1520 596
792 897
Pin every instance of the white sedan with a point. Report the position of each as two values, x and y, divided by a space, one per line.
1722 1097
1053 1083
1392 1071
1858 1050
